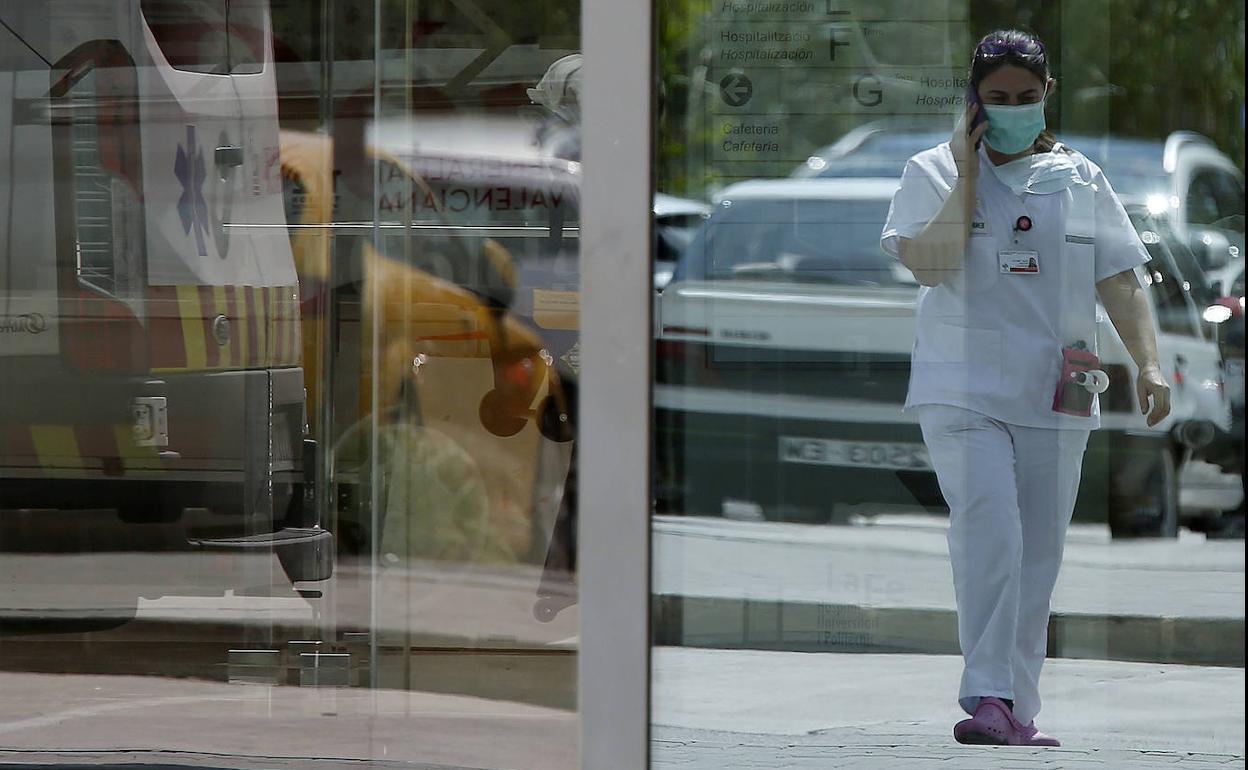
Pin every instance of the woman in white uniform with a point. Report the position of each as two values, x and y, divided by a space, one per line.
1012 239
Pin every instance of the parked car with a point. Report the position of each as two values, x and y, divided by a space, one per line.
149 310
676 221
1226 451
1209 461
1184 177
783 354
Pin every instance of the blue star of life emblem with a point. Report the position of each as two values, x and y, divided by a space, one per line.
191 172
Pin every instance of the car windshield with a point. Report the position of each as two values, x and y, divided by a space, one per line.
823 241
1133 166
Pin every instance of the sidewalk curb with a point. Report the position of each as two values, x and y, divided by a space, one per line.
729 623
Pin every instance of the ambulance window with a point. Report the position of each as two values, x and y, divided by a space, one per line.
191 33
108 237
246 38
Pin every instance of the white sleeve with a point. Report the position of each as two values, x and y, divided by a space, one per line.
914 204
1118 245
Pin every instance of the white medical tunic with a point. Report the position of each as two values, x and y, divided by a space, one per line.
991 341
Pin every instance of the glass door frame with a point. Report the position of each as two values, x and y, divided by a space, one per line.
615 395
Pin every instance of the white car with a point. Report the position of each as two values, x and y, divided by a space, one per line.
1184 178
676 220
783 355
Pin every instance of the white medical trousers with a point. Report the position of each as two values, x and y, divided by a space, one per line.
1011 491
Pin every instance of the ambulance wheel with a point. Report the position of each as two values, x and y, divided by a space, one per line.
498 415
554 423
1149 507
546 608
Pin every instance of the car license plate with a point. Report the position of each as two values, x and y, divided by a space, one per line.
857 454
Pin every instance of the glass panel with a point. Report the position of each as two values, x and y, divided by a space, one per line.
289 322
906 497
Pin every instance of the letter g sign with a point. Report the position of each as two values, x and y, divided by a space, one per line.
870 96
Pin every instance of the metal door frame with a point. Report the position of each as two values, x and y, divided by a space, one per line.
614 433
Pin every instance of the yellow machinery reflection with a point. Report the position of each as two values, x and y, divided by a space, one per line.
459 380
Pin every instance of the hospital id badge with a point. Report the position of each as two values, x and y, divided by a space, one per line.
1019 262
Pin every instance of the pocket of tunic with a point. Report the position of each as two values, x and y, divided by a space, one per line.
960 357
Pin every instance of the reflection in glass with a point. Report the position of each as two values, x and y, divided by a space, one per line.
288 368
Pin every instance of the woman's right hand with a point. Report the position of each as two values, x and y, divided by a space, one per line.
963 144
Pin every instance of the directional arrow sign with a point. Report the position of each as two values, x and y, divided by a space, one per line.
735 89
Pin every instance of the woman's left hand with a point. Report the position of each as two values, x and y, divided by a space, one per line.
1151 384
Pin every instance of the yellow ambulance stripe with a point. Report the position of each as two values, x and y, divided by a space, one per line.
280 333
192 327
245 322
56 446
284 316
274 313
266 325
275 324
135 456
258 320
221 307
294 330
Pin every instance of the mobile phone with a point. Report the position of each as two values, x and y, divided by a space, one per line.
980 117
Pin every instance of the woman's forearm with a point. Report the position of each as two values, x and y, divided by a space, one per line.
940 249
1129 311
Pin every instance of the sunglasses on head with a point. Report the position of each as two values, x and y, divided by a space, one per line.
1026 49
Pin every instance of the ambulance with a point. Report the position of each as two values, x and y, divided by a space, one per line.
150 376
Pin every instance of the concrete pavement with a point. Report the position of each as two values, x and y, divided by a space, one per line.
754 709
491 687
56 719
712 710
882 585
867 697
885 585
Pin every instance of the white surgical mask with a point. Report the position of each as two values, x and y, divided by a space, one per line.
1040 174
